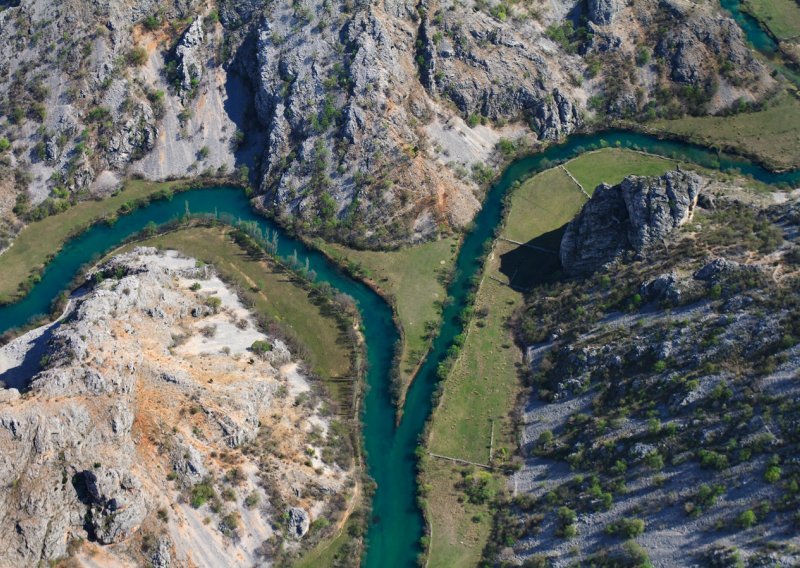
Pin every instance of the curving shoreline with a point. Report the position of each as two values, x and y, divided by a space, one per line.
389 447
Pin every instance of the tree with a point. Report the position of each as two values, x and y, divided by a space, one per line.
746 519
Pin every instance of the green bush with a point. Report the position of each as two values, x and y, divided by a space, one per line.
137 56
566 522
712 460
201 493
478 487
626 528
4 144
214 303
773 474
746 519
259 347
252 500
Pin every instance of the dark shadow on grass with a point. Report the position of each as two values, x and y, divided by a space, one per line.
535 262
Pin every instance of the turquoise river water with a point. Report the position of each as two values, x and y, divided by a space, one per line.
397 524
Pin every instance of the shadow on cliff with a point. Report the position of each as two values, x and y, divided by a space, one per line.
19 377
534 262
240 108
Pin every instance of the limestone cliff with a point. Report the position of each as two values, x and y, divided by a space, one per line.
153 433
366 122
635 216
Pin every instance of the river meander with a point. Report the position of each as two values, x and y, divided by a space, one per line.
397 523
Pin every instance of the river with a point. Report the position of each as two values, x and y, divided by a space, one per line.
397 523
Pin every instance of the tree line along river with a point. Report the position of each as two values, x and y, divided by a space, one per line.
396 524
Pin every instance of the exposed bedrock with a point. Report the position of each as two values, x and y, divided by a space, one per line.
633 216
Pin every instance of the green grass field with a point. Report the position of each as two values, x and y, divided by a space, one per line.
326 553
413 277
460 528
772 135
278 295
550 194
611 165
782 17
37 241
483 385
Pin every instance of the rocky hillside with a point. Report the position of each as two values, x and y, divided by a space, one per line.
162 428
366 122
662 415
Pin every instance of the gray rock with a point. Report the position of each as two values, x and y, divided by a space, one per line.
188 52
657 206
117 505
188 464
721 267
662 287
298 522
161 557
635 215
602 12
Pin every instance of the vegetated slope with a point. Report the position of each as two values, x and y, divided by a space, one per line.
165 426
366 116
662 416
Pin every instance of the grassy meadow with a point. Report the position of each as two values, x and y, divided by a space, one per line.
772 135
782 17
414 278
40 239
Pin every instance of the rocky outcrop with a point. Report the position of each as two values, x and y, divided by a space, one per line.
189 56
116 503
722 267
636 215
352 101
135 405
298 522
602 12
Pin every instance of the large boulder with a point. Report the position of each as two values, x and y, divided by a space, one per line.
189 53
636 215
298 522
657 206
116 507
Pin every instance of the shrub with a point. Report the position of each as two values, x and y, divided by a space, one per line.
712 460
773 474
478 487
566 522
137 56
4 144
229 524
626 528
259 347
195 287
746 519
201 493
653 460
214 303
252 500
98 114
152 22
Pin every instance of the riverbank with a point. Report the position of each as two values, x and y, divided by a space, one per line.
40 241
389 447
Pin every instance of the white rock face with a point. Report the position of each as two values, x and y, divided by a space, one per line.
147 392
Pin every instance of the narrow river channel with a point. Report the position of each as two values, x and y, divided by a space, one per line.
397 523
